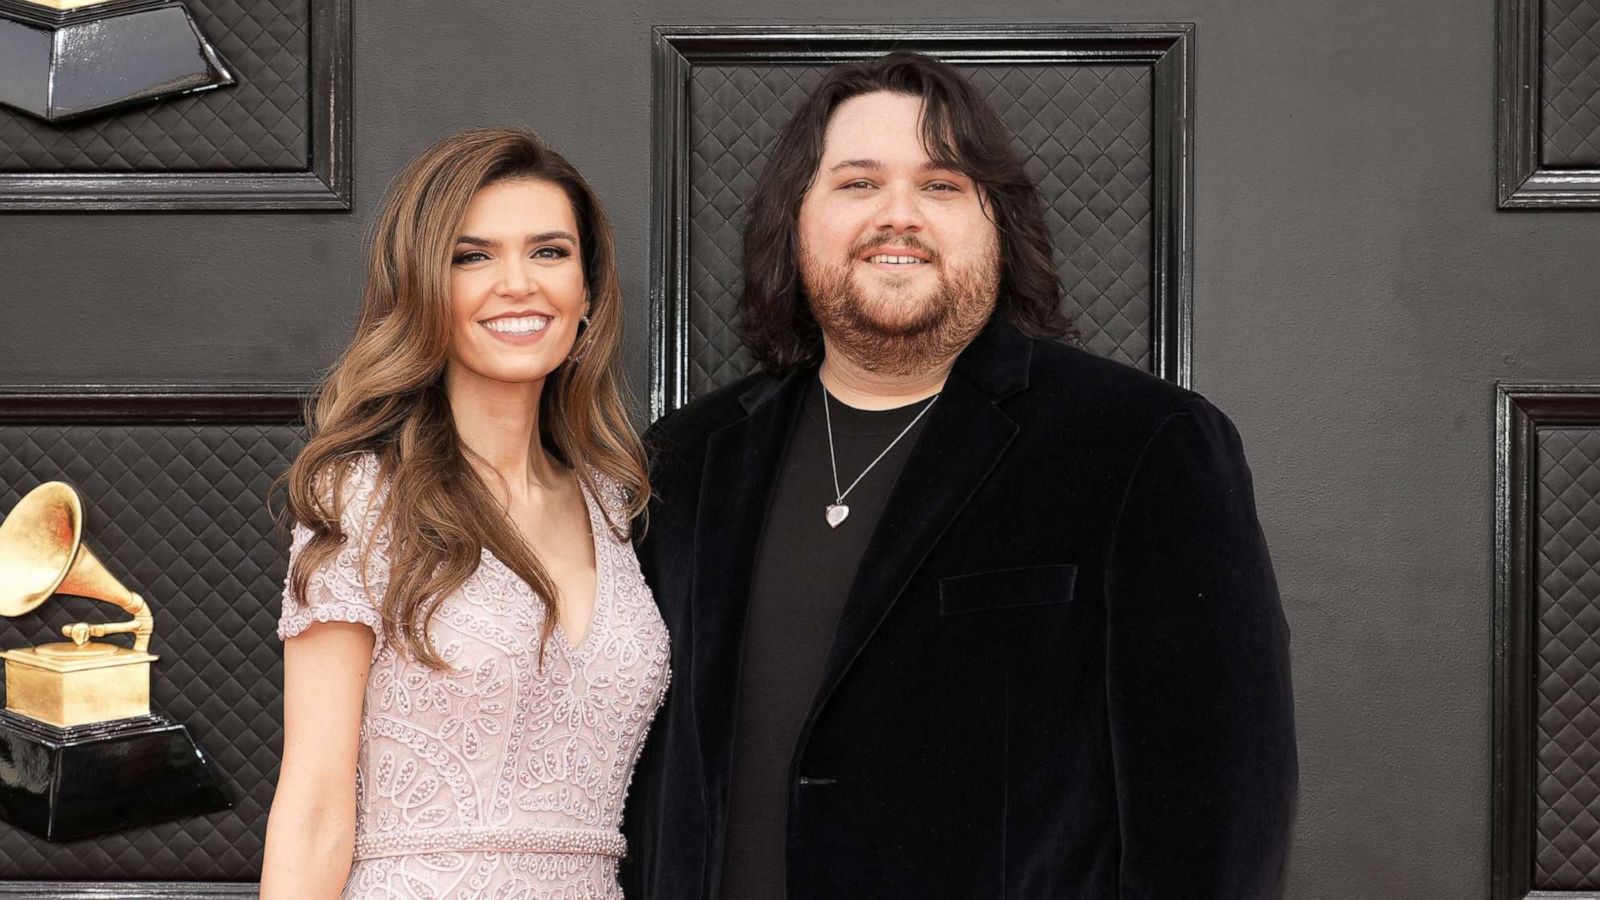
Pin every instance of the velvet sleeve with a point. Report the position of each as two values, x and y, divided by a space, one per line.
640 813
1197 676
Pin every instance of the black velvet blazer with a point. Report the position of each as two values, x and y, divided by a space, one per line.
1062 671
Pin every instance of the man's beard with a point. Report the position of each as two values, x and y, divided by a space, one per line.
890 341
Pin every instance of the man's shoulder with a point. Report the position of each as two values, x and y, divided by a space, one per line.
692 423
1076 382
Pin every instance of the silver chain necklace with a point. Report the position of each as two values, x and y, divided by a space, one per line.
837 511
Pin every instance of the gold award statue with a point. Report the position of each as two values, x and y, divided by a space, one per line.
80 681
79 710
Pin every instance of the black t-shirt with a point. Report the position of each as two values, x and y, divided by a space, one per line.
803 573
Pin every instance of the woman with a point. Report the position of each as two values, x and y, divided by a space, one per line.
471 658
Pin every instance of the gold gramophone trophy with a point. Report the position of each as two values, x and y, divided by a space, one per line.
80 751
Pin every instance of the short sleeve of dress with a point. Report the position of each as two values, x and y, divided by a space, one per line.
351 585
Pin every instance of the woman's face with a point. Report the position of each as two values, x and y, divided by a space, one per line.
516 284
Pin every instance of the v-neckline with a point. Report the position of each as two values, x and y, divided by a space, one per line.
591 506
581 650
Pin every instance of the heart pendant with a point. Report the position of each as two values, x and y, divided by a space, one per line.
836 514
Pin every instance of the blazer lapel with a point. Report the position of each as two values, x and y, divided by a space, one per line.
964 439
741 470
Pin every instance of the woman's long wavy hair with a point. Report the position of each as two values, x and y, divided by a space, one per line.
386 395
959 130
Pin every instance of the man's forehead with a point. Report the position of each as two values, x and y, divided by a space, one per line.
874 131
878 115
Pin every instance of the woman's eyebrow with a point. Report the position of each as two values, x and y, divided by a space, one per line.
557 235
539 238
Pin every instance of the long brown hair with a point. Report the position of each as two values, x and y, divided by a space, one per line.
959 130
386 394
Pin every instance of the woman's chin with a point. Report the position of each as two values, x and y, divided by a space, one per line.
492 374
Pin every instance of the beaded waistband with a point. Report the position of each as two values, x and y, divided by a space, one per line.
583 841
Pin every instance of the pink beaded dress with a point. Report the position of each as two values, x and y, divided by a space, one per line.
497 779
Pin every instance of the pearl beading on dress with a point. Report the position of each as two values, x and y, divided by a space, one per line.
580 841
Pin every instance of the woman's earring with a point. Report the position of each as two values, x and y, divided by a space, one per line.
583 328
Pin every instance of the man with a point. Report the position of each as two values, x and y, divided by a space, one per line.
956 610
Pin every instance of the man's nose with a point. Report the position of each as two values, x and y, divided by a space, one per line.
899 210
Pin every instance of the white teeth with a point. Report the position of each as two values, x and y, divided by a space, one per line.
523 325
894 260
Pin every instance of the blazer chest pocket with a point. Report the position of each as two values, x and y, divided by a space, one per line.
1006 589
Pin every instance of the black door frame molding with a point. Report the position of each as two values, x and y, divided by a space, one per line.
1520 411
326 184
1166 48
126 890
153 404
1520 180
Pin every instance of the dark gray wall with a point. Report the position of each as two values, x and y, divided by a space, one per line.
1357 295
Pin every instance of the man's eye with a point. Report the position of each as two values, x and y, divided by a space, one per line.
943 186
855 185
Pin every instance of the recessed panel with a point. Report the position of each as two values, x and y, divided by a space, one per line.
1567 774
1569 85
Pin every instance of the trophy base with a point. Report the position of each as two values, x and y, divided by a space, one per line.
61 59
66 783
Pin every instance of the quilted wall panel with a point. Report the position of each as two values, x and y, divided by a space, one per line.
260 123
1084 131
1567 610
179 513
1569 84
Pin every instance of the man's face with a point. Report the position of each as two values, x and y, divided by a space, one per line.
899 258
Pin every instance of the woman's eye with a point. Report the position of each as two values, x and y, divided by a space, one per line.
551 253
470 256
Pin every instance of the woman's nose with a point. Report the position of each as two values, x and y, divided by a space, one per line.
514 280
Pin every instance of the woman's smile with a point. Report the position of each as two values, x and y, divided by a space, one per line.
518 328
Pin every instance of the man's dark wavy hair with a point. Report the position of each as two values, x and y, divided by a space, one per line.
960 130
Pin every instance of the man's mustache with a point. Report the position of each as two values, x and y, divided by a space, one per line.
907 241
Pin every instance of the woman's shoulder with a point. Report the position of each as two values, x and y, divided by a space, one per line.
613 498
353 488
361 469
363 489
